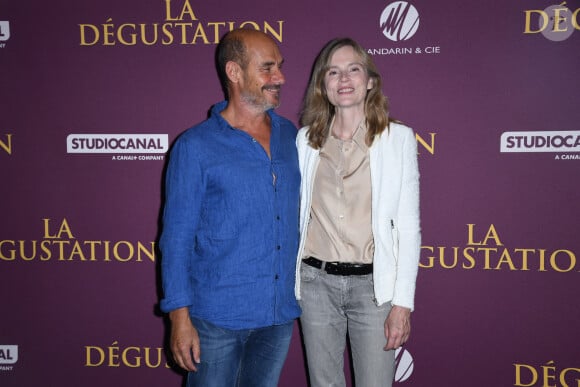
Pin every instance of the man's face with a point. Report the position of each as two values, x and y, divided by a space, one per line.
262 77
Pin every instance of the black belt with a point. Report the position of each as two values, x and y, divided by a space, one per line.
340 268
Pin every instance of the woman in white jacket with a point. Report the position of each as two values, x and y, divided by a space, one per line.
359 221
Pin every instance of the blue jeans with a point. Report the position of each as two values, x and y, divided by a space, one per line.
240 358
332 306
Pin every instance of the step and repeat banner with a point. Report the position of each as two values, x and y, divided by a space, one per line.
93 94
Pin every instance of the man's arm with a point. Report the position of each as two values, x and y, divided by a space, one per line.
184 340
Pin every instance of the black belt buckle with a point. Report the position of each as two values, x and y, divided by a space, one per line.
340 268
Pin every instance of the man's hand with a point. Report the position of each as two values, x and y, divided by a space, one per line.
184 340
397 327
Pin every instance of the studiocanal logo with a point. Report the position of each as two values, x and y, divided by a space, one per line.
556 22
399 22
4 33
181 26
8 357
566 143
130 146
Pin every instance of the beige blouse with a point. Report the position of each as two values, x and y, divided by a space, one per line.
340 223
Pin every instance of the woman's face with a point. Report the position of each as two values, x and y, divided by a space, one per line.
346 81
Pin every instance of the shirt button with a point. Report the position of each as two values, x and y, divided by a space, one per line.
278 217
278 247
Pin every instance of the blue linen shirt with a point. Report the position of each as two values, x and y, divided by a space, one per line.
230 233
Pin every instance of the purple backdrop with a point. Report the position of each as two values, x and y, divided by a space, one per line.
491 90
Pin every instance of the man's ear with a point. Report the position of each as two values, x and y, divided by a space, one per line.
233 71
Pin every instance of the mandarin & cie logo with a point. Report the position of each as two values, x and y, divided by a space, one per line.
404 365
399 22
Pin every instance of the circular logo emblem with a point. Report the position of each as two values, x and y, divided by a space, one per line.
556 23
404 365
399 21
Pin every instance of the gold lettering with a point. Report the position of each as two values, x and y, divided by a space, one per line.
108 33
186 10
542 260
143 34
547 369
22 251
199 32
487 250
556 267
149 253
574 19
101 353
469 257
442 258
251 23
519 382
559 19
96 33
563 376
114 355
132 35
216 29
269 29
505 258
525 257
7 146
116 248
137 359
76 250
12 251
147 357
429 147
167 33
545 20
430 259
64 228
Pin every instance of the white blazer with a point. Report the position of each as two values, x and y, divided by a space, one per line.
394 209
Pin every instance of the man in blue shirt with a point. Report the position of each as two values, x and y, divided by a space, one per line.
230 233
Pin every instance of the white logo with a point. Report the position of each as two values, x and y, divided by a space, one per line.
556 23
403 365
562 141
4 31
117 143
399 21
8 354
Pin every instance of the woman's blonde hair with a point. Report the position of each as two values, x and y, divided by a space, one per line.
318 112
